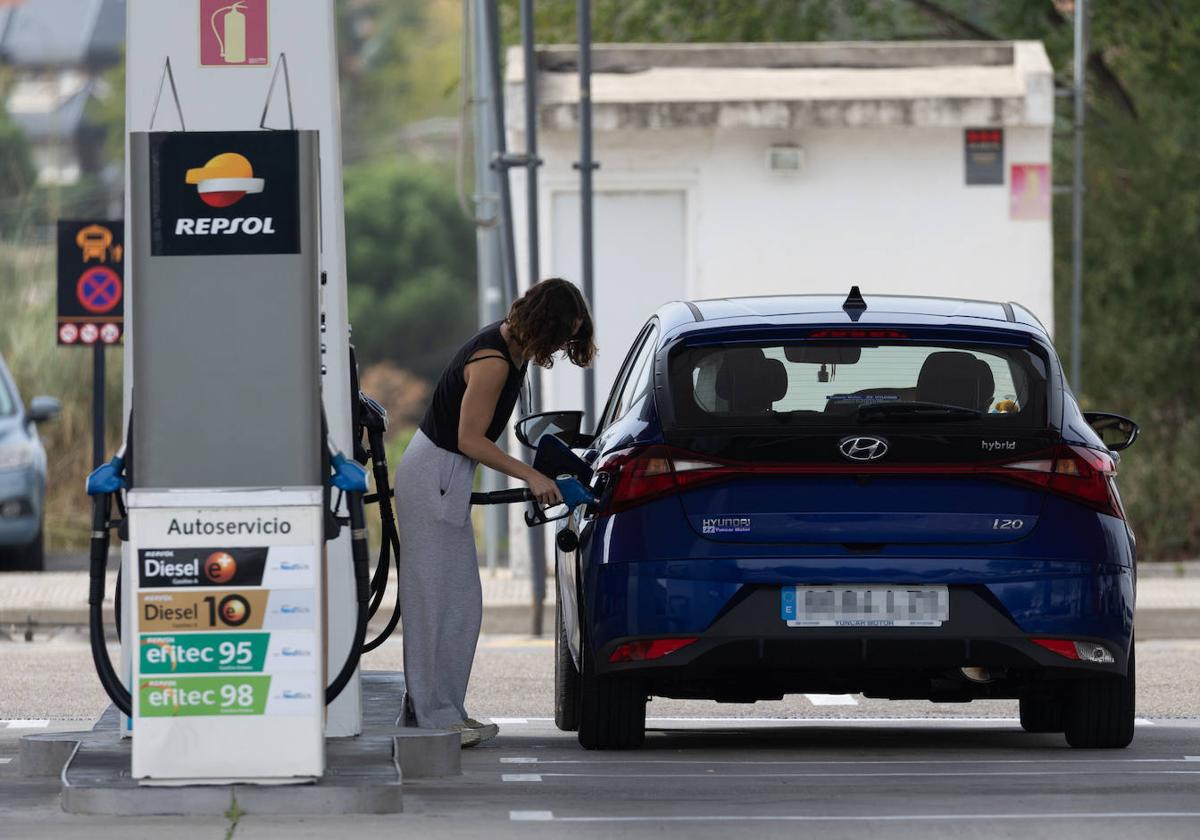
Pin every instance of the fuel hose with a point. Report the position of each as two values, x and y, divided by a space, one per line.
111 682
362 581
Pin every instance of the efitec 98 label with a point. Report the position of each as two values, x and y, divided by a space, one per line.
202 696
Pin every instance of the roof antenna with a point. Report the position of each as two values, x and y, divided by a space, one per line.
854 306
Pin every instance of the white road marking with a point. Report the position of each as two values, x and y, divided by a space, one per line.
828 719
521 777
548 816
816 762
28 724
5 760
531 816
908 775
831 699
824 720
520 759
842 720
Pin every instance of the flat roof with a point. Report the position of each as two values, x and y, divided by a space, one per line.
938 83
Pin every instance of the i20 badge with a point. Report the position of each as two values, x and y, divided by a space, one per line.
863 447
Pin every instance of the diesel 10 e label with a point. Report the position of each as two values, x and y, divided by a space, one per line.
251 609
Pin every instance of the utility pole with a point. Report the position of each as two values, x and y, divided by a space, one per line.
537 552
490 272
501 161
1077 201
586 167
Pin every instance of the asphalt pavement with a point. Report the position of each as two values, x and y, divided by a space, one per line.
838 766
828 766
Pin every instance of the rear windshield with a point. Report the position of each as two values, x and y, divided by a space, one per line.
812 383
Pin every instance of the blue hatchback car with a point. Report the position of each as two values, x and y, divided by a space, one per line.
896 496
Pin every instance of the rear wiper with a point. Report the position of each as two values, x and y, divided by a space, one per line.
911 410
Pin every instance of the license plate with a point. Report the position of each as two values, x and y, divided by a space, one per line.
865 606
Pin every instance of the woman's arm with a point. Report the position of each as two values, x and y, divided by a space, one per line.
485 380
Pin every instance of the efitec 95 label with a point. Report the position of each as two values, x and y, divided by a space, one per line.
202 696
201 653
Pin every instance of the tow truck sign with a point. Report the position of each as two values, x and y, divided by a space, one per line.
91 282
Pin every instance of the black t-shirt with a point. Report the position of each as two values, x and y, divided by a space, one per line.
440 423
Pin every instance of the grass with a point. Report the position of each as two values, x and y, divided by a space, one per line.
28 343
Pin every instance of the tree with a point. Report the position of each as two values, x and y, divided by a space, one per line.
411 265
1141 313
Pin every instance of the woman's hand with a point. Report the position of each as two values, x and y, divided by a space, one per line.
544 489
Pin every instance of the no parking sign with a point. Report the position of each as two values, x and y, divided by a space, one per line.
91 282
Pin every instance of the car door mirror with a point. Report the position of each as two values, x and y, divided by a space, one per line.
42 409
1116 431
562 424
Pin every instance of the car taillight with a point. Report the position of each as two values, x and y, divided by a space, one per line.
857 334
1082 651
1076 472
642 475
644 649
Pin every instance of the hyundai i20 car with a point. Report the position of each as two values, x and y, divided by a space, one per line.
896 496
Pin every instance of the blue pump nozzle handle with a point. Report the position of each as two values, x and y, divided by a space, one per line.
107 478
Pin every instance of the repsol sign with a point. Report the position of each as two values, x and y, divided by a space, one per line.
251 226
224 192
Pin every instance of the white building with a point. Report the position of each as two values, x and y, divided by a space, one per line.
744 169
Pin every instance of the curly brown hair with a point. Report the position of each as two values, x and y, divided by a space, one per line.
543 322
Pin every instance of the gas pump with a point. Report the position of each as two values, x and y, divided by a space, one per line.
245 589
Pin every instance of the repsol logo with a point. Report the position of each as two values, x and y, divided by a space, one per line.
215 226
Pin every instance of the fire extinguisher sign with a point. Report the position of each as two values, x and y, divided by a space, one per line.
233 33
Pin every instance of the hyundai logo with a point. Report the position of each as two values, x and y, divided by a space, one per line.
863 448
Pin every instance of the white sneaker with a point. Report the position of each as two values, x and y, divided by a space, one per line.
487 731
470 737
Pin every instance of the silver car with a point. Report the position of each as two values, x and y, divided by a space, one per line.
22 476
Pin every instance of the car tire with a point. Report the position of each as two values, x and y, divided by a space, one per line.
1042 712
30 558
1100 710
566 678
612 709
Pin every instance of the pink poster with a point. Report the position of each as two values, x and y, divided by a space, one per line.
1029 191
233 33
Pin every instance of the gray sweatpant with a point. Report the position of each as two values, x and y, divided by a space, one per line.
440 594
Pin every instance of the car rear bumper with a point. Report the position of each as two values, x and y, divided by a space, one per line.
740 631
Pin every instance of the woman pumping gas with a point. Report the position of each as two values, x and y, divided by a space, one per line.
440 593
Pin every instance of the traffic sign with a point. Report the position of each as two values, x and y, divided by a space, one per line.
91 288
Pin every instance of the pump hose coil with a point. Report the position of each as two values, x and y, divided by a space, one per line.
362 582
101 510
